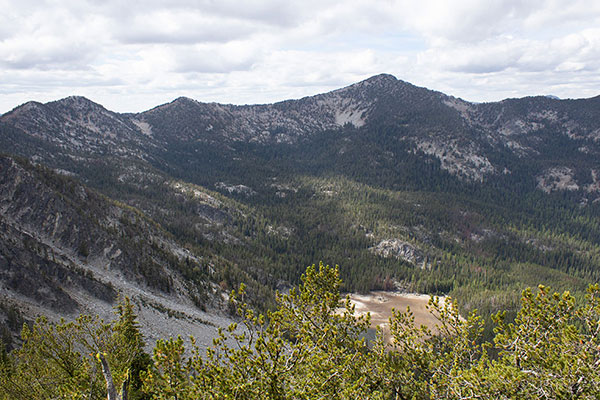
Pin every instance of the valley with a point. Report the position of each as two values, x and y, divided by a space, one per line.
404 188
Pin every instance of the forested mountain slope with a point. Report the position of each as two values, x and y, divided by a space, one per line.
66 250
403 187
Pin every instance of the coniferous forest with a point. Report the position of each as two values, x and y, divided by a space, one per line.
185 203
312 345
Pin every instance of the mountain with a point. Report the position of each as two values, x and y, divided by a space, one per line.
65 250
471 141
404 187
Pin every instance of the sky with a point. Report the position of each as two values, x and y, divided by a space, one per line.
131 55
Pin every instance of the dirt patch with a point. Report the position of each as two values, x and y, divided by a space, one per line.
381 304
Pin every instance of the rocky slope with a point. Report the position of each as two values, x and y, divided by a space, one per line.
400 185
65 250
472 141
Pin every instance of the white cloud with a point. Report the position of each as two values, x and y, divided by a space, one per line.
133 55
211 58
181 27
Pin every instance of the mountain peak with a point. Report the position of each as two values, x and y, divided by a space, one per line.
183 100
378 81
377 84
76 100
30 106
381 78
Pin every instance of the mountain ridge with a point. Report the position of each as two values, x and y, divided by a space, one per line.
66 249
454 131
404 187
382 77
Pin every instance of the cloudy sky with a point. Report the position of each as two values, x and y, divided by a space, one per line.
132 55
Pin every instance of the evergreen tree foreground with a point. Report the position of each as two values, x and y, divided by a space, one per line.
313 346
